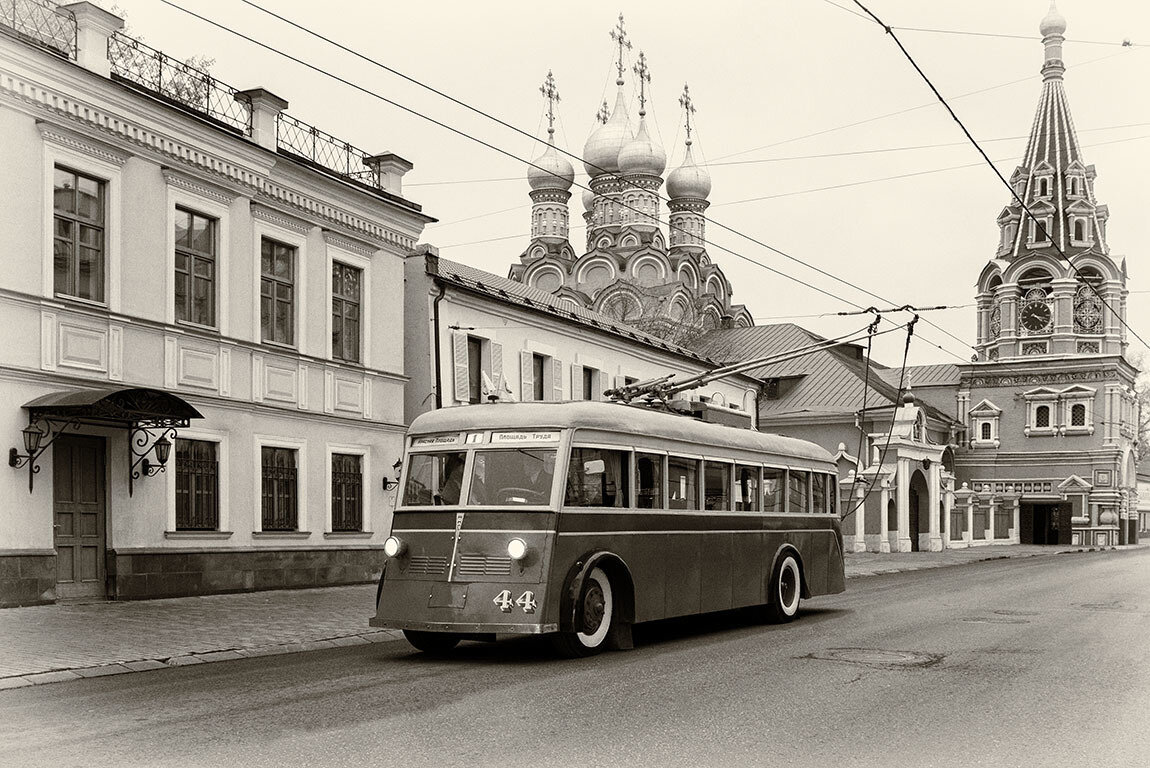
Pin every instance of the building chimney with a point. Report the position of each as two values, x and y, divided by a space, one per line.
94 26
389 169
266 108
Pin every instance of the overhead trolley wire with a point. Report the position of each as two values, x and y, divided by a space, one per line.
974 142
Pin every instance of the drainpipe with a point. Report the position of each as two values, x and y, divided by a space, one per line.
435 330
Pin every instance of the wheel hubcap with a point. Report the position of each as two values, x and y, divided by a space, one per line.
594 606
787 587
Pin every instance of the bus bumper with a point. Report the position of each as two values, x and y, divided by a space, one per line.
482 628
463 607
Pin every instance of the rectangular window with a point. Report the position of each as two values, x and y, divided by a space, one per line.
278 490
598 478
774 489
346 492
78 205
1078 415
682 482
195 268
538 377
589 376
345 312
747 489
523 476
649 480
197 485
434 479
716 485
798 496
819 493
474 370
277 292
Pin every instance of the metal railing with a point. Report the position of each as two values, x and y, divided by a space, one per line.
310 143
41 22
178 82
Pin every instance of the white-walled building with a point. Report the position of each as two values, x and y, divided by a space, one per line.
185 263
472 334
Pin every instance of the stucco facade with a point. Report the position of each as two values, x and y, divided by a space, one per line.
132 305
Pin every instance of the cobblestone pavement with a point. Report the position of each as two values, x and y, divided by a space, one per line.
53 643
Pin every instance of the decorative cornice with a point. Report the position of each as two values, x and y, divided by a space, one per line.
280 219
83 144
138 136
198 187
347 244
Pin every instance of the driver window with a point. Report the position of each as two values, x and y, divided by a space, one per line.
434 479
598 478
509 477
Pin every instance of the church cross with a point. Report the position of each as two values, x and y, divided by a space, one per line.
619 35
604 114
551 93
688 106
644 74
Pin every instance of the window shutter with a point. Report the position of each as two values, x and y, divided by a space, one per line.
526 375
576 381
497 370
620 381
557 378
602 384
462 378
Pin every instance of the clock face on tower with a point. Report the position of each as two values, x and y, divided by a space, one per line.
1034 316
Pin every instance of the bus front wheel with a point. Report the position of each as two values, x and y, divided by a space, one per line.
785 589
431 642
597 612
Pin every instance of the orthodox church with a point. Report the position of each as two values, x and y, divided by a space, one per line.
660 282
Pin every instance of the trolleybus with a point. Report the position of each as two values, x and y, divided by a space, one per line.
580 519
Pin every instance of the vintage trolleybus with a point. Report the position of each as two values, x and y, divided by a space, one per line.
579 519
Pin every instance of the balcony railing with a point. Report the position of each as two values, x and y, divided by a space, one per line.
310 143
41 22
177 81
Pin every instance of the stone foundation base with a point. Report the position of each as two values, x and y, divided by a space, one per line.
136 575
27 578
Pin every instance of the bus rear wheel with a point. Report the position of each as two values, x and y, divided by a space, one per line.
432 642
786 589
597 612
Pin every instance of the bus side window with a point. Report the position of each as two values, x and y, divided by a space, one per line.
682 482
649 480
716 485
819 493
833 494
598 478
773 487
746 489
798 499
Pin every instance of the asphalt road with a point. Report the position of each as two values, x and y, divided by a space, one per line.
1042 661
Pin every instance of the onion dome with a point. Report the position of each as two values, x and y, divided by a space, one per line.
689 180
550 170
601 152
588 200
1054 23
642 154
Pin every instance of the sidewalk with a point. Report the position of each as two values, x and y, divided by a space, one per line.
53 643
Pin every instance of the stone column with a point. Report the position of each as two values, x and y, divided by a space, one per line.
884 502
933 484
1016 531
902 477
992 509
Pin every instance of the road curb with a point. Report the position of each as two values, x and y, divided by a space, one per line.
189 659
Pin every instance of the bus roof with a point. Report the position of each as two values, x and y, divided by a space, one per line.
611 417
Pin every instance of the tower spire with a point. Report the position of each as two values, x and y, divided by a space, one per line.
644 74
619 35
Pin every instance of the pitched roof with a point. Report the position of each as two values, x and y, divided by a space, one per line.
941 374
829 381
518 294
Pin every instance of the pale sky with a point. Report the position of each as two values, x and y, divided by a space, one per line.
765 76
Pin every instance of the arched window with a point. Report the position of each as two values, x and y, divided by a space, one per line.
1043 187
1042 416
1087 304
1078 415
1080 230
985 430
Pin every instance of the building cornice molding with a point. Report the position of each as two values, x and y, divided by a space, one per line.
278 218
131 135
199 187
357 247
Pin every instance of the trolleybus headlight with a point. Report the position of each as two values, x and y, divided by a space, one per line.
394 547
517 549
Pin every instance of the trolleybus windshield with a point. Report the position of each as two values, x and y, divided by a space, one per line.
498 477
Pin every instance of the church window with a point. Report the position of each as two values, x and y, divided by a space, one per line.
1078 415
985 434
1040 230
1072 184
1042 417
1044 187
1087 307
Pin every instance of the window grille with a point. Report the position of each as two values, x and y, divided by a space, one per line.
985 430
1042 416
346 492
1078 415
345 312
195 291
78 235
277 292
197 486
279 507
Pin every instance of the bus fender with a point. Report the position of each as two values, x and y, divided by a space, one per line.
783 549
575 582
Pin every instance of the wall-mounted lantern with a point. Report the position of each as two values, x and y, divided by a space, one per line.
35 445
142 445
388 484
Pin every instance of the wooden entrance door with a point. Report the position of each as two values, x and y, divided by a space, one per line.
80 516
